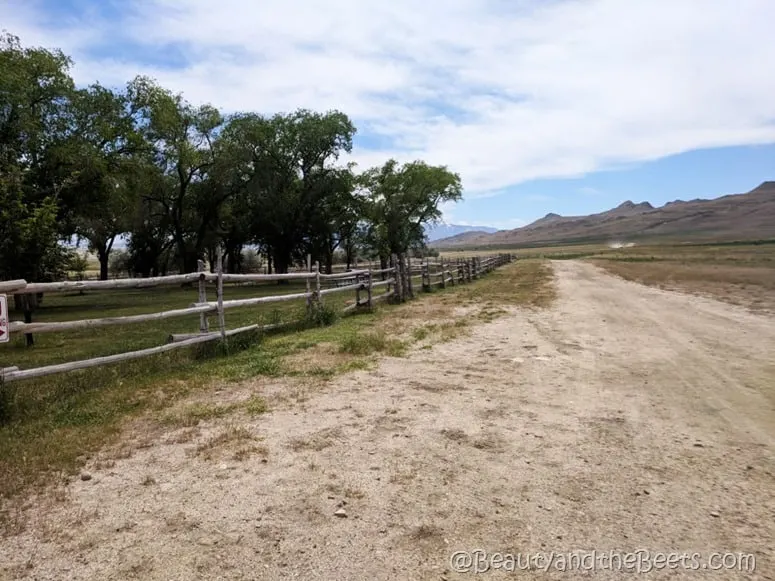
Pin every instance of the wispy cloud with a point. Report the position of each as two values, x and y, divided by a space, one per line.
501 92
589 191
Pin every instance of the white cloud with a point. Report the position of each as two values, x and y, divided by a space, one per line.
500 92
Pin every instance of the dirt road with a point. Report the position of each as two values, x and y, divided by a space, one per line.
623 418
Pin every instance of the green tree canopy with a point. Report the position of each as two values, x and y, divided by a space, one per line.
35 92
401 199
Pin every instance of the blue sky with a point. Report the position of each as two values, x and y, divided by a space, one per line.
704 173
569 106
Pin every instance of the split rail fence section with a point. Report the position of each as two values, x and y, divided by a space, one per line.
399 281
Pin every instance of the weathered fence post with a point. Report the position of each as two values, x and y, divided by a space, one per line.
309 298
443 274
368 288
27 302
200 266
398 276
221 318
358 291
409 285
318 298
404 286
391 264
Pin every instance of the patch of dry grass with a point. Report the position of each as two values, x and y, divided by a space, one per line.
525 283
370 342
234 439
192 415
441 332
317 441
454 434
749 286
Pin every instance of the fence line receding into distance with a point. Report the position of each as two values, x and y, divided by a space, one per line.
399 280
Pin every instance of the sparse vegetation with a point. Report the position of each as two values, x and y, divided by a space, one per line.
225 440
371 342
741 274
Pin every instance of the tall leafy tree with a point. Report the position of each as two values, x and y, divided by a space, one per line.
181 137
35 91
104 149
334 215
150 239
287 168
401 199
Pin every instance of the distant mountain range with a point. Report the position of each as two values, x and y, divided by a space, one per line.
748 216
441 231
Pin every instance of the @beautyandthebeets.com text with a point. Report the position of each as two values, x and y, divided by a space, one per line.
639 561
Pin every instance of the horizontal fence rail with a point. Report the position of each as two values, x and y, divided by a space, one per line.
399 280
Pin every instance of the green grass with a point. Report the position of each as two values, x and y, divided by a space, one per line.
53 348
372 342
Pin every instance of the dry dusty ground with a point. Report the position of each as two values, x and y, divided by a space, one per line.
625 417
752 287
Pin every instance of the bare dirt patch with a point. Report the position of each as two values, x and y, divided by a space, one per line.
624 417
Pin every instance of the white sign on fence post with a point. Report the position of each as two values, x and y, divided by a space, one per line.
4 334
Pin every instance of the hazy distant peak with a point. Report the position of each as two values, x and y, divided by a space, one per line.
441 231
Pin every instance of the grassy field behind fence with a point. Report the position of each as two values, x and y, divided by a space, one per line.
53 348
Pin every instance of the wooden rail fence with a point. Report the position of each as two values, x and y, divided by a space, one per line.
398 281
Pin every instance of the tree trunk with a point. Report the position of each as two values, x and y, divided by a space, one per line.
282 261
102 255
180 245
383 264
329 262
349 251
190 261
26 304
234 258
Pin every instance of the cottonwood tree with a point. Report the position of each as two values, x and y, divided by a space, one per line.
181 137
103 149
150 239
35 89
400 200
182 182
286 167
335 215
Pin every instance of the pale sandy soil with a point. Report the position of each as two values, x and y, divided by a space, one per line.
624 417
